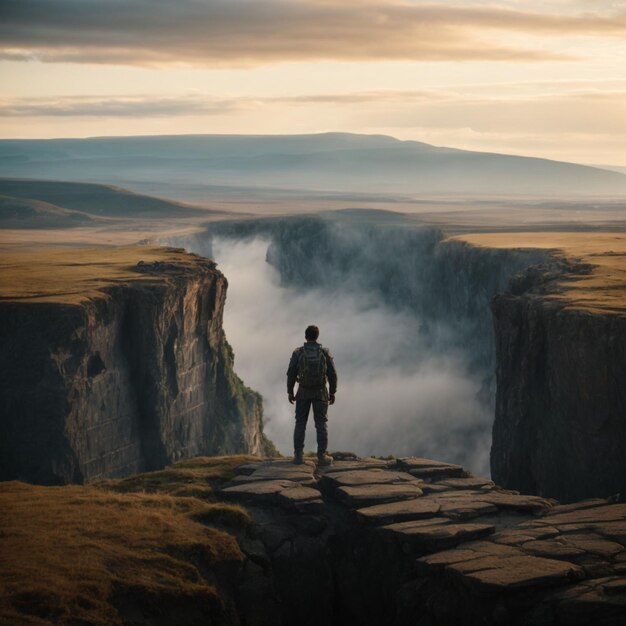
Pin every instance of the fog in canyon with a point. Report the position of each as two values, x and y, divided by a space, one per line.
397 393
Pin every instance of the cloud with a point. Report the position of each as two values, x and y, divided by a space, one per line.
592 110
252 32
192 104
111 106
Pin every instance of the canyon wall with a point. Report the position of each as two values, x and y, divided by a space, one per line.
125 382
560 419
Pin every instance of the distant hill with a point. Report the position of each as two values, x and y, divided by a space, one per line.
50 204
27 213
331 161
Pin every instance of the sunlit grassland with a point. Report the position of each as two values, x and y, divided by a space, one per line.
73 275
603 290
67 553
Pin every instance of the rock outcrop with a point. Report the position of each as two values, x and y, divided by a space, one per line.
420 542
560 418
133 377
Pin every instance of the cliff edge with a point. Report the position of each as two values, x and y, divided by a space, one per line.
560 329
247 541
114 361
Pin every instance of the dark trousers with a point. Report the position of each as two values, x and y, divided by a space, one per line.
320 410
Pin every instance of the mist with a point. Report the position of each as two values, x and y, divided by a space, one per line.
397 394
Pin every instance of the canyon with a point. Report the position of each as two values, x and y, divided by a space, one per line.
116 364
133 372
539 319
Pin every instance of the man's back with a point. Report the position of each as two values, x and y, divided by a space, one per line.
315 356
311 366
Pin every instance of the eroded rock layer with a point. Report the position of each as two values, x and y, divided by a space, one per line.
135 377
420 542
560 417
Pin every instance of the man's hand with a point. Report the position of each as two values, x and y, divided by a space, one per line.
331 398
292 398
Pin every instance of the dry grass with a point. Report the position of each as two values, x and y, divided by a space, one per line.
73 275
67 553
191 478
109 233
601 291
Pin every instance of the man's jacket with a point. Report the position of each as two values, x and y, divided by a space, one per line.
312 394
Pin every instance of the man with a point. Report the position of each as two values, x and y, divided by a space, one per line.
311 366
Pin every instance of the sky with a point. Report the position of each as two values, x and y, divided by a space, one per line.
523 77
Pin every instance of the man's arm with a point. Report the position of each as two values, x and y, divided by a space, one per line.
331 373
292 373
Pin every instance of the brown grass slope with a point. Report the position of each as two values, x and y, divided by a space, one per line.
99 200
144 548
602 290
73 275
26 213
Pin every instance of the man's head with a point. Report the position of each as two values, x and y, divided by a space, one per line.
311 333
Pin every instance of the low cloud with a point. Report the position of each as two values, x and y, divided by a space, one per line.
109 106
549 114
194 104
396 395
252 32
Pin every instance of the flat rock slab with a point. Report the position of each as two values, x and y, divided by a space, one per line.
552 548
503 500
499 573
472 482
292 496
364 495
515 537
346 466
576 506
276 474
370 477
612 530
430 537
591 602
469 552
257 490
436 473
595 544
463 508
404 510
412 462
595 515
617 585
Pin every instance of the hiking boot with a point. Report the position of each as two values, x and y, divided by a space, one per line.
298 458
324 459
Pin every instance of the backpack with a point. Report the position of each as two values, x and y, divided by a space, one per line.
312 367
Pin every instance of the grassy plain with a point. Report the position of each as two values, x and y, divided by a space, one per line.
69 555
603 290
73 275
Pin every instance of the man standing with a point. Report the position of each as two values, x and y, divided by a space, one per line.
311 366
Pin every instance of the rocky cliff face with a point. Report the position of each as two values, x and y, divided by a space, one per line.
125 382
560 419
420 542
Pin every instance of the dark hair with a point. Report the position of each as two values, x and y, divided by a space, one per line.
312 333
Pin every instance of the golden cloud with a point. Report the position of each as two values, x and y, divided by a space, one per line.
253 32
